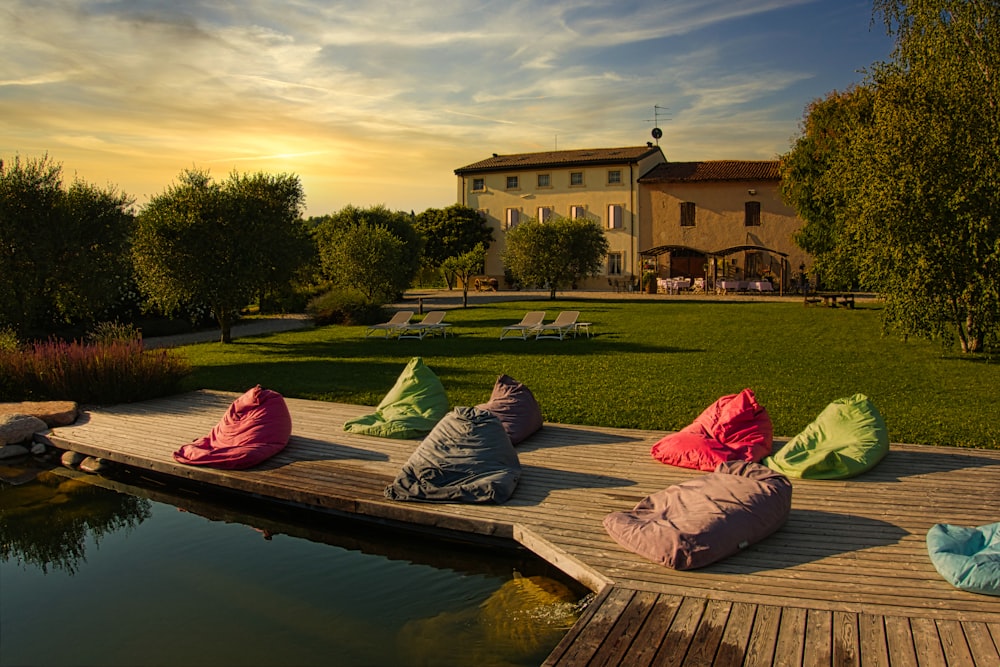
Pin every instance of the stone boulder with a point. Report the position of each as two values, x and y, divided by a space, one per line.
53 413
16 428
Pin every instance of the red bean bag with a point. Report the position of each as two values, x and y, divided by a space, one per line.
256 427
734 428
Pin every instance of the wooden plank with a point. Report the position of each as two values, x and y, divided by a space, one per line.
675 645
899 639
926 643
735 639
981 644
652 635
956 650
871 634
596 629
763 637
846 646
791 637
708 636
818 647
621 636
579 628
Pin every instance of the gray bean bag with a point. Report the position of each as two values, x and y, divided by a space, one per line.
516 407
468 457
704 520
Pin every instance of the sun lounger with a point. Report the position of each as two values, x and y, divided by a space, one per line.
527 326
399 320
433 321
563 325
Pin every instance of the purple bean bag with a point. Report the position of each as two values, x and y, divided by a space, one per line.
256 427
701 521
516 408
734 428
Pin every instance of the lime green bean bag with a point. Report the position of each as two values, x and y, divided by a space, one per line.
411 409
848 438
968 558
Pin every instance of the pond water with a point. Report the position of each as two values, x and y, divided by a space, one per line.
98 571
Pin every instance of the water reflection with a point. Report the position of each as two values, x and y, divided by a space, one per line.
186 576
46 522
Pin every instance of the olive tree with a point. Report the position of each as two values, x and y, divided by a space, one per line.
451 232
63 251
215 243
373 250
465 266
557 253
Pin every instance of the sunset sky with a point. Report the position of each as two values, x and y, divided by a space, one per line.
378 102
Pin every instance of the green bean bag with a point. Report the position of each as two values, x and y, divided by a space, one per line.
411 409
968 558
848 438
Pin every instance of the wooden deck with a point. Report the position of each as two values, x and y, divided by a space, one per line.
847 581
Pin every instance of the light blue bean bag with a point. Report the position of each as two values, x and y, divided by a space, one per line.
968 558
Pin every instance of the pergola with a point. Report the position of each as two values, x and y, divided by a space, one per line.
725 252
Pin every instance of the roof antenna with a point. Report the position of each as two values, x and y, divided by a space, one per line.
657 111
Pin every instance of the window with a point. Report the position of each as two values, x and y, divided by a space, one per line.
544 213
544 181
615 216
577 212
478 184
615 263
576 178
512 183
751 214
614 177
687 213
513 217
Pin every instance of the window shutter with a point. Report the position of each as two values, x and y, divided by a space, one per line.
614 216
513 217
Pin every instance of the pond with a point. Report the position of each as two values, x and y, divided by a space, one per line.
130 570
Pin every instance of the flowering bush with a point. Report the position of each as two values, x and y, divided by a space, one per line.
118 371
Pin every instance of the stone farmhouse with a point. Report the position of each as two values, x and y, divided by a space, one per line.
714 220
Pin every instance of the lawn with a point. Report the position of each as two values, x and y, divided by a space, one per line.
650 364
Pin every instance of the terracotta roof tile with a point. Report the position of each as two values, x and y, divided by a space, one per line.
581 157
714 170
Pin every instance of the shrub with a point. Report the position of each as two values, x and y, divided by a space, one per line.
113 332
344 306
100 373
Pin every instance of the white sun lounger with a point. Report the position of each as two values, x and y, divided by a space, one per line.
563 325
531 321
400 320
433 321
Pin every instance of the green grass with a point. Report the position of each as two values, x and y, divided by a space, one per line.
653 365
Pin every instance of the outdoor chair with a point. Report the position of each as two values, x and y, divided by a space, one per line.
400 320
528 324
563 325
433 321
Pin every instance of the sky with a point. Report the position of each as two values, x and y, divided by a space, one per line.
377 102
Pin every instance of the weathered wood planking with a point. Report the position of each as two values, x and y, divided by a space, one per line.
847 581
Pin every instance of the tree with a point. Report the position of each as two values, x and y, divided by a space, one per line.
556 253
811 182
451 232
204 242
465 266
384 269
63 252
914 181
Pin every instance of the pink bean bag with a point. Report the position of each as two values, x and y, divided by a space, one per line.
734 428
256 427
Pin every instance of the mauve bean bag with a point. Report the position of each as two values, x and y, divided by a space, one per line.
848 438
256 427
704 520
734 428
516 407
968 558
411 408
468 457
